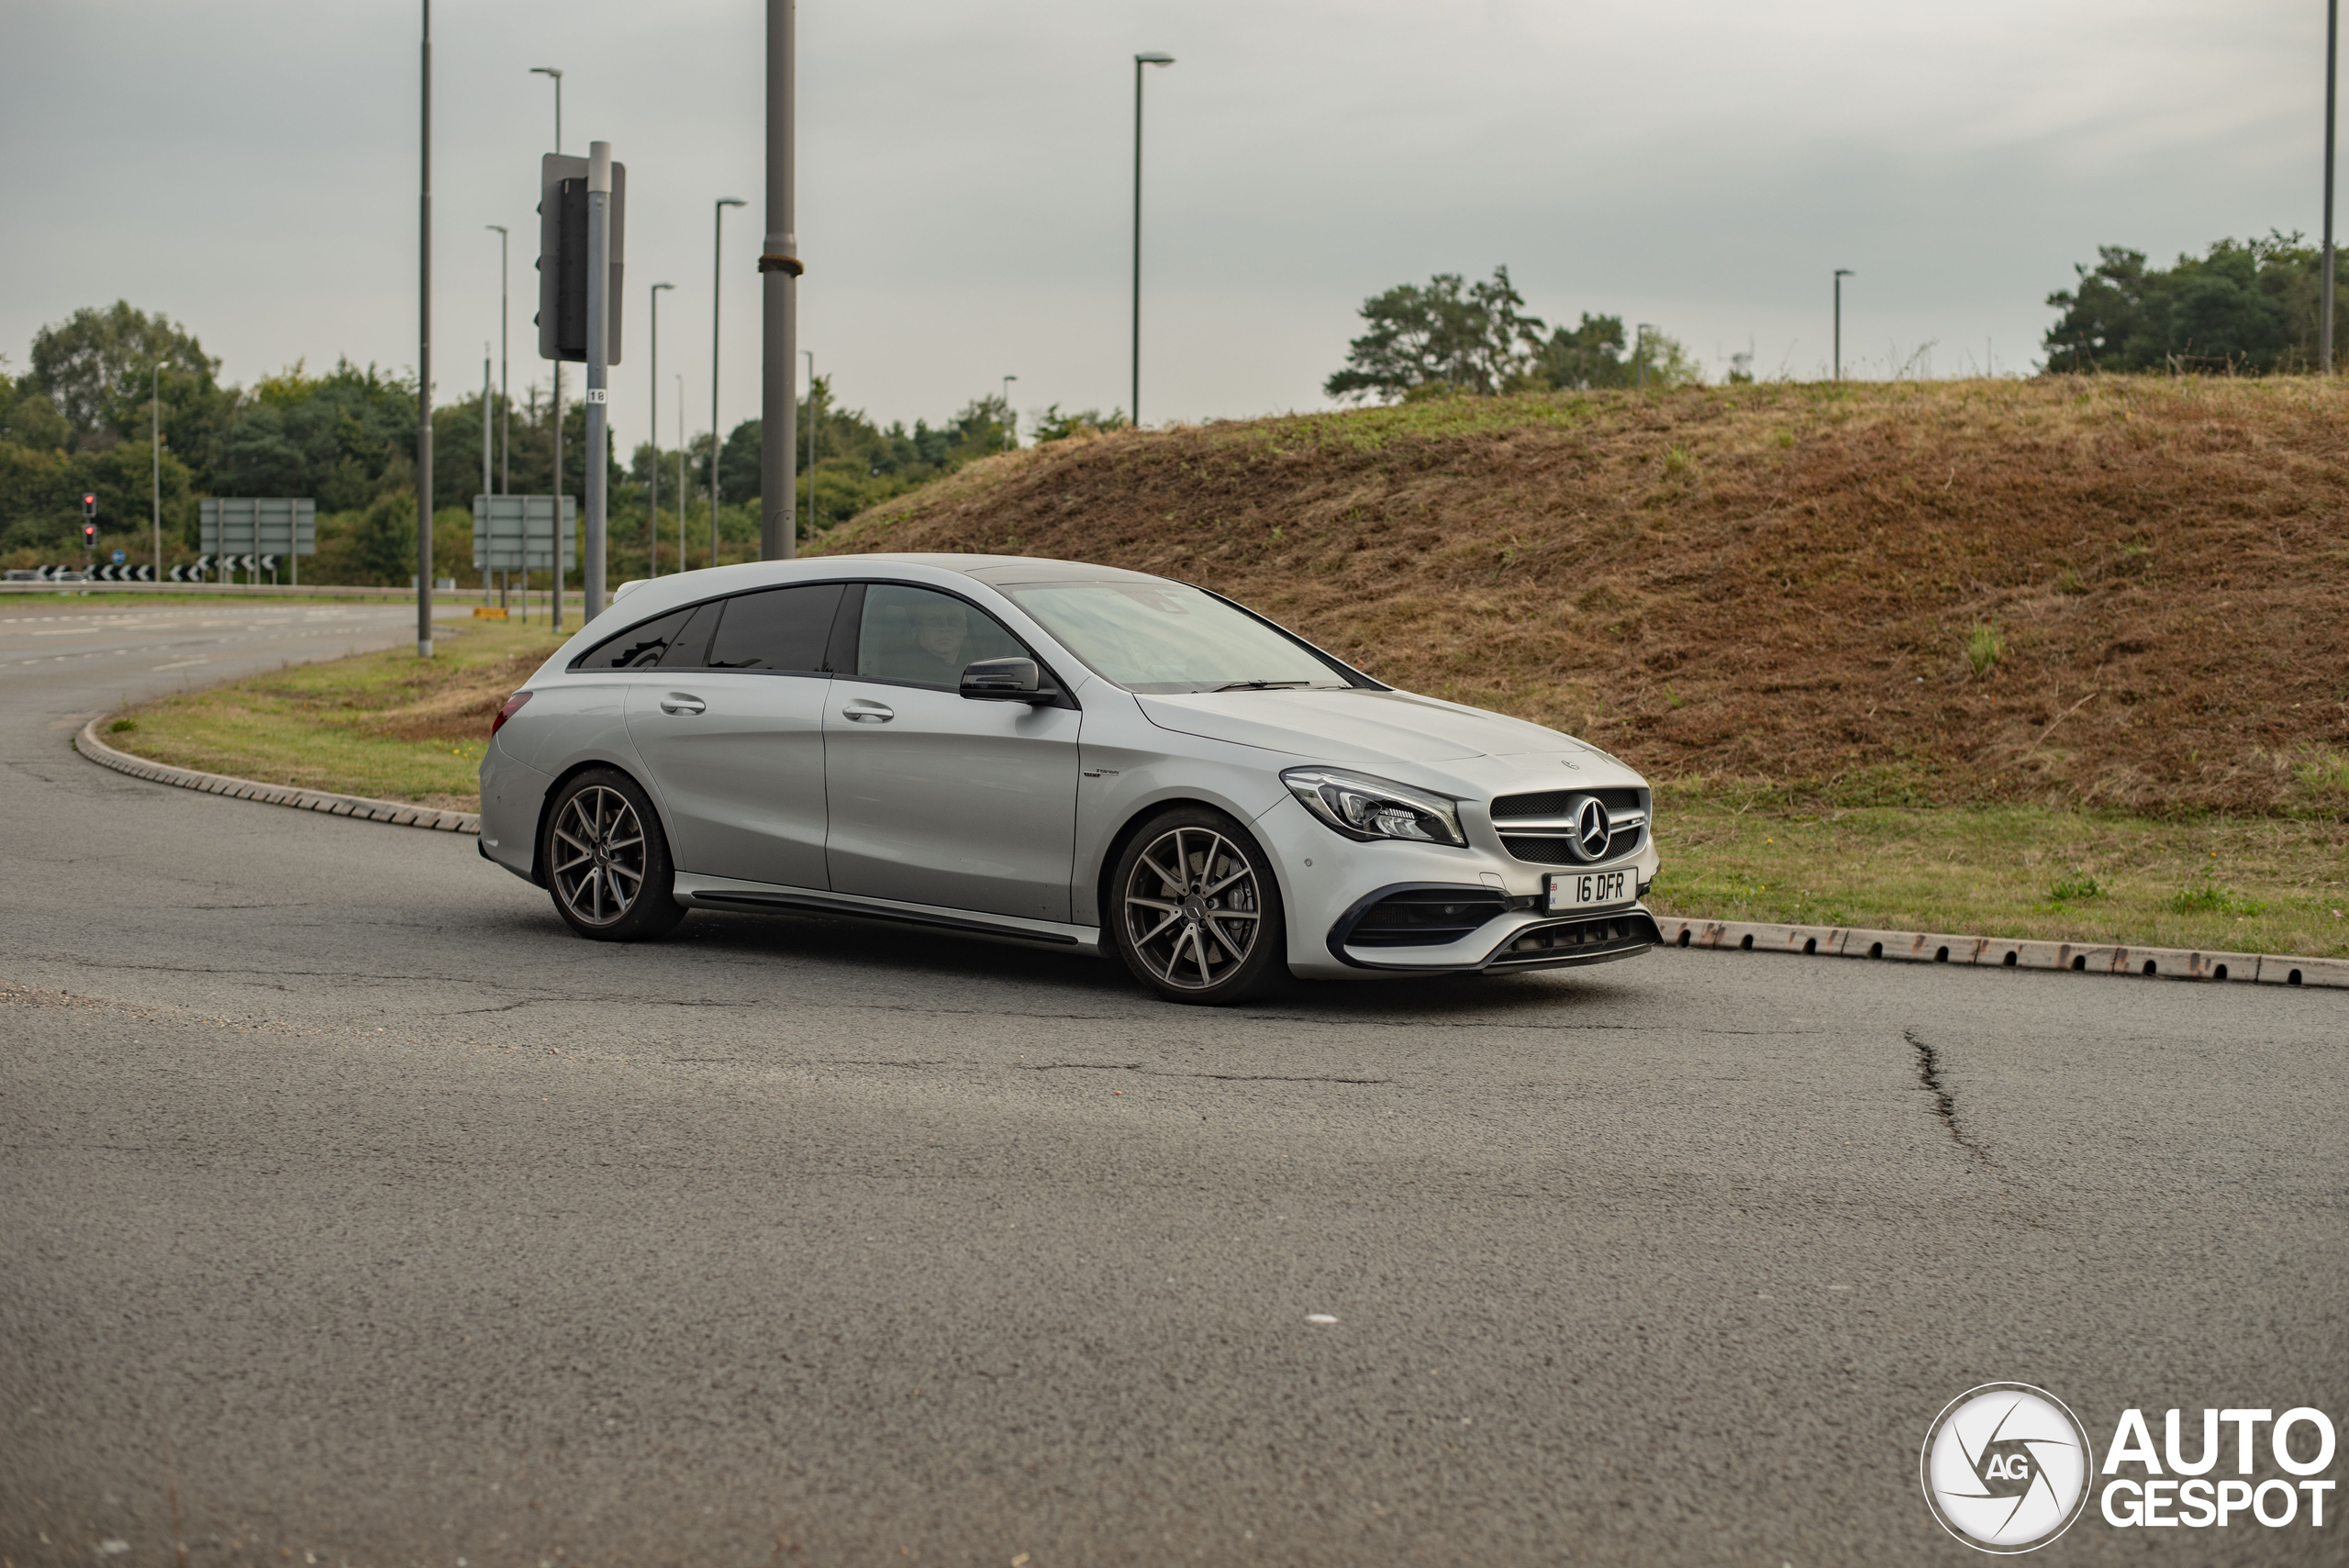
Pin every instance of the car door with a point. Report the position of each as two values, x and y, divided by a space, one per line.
731 729
937 798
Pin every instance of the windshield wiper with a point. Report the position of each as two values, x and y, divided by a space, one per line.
1260 685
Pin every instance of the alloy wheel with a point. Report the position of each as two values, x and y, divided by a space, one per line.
599 855
1193 907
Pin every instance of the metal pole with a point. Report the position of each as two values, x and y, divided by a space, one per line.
1639 353
682 494
488 391
653 423
810 355
424 362
779 271
554 556
599 351
716 299
2324 326
156 443
505 399
1134 397
1841 274
1010 420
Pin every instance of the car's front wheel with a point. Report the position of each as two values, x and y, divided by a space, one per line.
608 862
1196 912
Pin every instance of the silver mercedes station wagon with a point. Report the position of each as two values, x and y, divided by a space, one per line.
1055 753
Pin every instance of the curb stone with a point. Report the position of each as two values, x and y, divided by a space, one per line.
1823 941
1929 947
363 807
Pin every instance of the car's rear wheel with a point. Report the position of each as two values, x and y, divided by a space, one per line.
608 862
1196 912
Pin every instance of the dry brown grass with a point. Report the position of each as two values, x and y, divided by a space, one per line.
1780 583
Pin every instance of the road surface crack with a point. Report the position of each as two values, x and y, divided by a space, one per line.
1929 1074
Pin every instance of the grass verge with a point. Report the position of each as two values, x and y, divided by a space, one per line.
2240 884
398 727
388 724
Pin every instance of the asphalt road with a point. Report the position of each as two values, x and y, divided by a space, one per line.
352 1209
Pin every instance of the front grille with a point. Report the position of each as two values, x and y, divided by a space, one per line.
1517 815
1424 917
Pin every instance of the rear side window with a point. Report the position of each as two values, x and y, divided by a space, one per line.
639 646
776 629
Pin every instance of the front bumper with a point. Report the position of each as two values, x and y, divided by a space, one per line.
1330 882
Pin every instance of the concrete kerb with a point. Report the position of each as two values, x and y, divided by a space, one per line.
1929 947
1819 941
398 813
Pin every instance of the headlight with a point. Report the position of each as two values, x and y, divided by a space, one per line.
1362 807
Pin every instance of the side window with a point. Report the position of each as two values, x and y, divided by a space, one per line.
924 638
687 647
639 648
776 629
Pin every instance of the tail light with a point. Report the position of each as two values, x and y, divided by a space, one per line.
513 705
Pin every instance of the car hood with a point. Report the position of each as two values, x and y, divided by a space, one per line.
1410 738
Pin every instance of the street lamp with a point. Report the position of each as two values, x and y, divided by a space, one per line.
652 418
1841 274
1134 398
810 355
505 399
716 294
2325 321
1010 420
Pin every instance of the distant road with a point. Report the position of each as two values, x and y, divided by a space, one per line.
348 1200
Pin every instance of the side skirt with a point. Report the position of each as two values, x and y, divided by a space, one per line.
720 893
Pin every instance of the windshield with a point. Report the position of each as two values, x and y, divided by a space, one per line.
1163 637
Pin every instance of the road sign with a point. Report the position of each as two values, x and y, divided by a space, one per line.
119 558
288 525
515 533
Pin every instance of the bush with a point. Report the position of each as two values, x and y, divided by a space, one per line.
1984 648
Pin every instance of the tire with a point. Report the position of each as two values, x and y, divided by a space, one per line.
608 862
1216 938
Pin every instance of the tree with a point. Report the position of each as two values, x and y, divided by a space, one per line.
2245 307
96 370
386 539
1587 355
1055 425
1449 335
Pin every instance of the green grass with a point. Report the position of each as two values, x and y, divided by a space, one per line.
388 724
2245 884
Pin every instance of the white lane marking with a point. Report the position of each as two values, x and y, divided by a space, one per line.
183 664
1319 1317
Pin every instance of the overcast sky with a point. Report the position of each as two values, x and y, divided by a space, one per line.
249 167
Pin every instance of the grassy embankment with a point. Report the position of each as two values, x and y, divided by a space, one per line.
2059 658
388 725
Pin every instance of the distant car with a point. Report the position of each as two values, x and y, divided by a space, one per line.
1055 753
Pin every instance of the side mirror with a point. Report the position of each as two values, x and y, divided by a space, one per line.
1005 680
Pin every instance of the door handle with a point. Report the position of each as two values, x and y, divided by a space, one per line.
679 701
865 710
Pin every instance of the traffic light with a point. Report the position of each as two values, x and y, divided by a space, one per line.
89 503
90 534
562 258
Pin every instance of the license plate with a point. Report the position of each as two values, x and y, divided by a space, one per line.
1589 889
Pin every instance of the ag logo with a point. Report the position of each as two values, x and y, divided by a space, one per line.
2006 1467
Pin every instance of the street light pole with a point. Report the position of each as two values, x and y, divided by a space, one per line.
556 554
682 494
1010 420
155 445
1134 396
505 400
424 356
779 270
716 297
652 421
1841 274
810 355
2324 326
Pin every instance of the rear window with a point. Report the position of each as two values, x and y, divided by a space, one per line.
640 647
